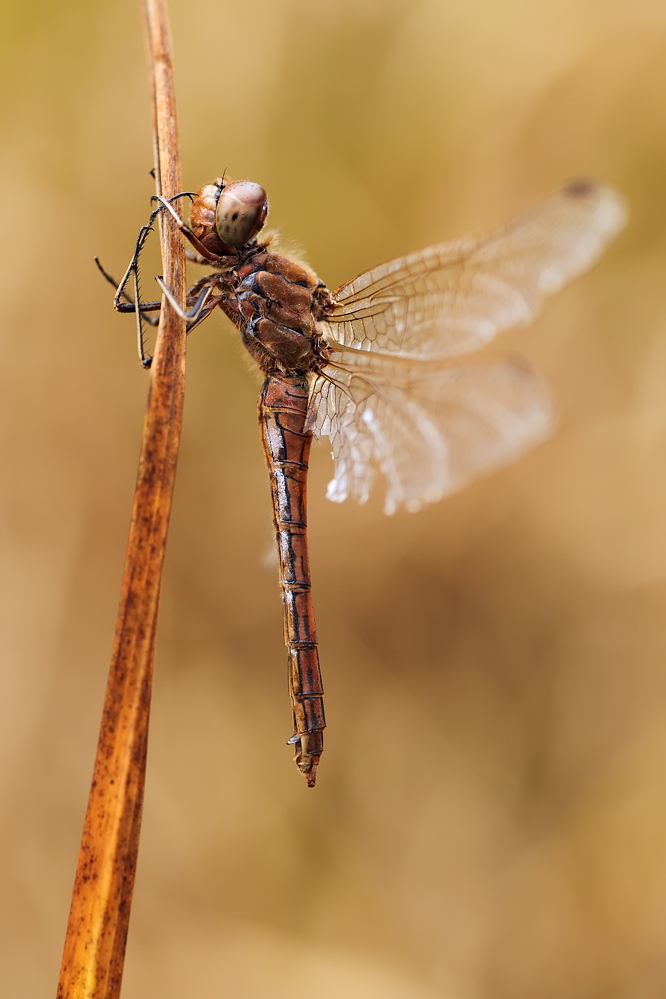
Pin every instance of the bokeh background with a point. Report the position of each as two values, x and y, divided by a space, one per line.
490 818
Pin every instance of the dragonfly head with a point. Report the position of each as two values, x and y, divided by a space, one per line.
240 213
227 215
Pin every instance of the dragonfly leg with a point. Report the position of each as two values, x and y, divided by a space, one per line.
196 258
206 311
124 302
132 273
202 300
188 233
183 194
104 273
143 307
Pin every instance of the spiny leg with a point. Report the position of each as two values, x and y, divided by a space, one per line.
135 304
188 233
129 305
207 284
133 270
124 302
196 258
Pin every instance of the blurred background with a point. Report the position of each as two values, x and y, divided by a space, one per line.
490 816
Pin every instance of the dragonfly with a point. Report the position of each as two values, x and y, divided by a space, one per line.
376 367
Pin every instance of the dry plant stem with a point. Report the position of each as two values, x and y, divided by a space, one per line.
97 930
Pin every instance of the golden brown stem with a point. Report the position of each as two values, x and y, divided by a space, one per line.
94 950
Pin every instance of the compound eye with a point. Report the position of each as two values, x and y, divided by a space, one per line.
241 212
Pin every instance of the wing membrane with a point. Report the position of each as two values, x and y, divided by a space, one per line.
452 298
428 426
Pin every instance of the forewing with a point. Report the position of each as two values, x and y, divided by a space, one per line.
428 426
454 297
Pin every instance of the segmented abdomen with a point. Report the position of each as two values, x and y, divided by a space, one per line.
283 408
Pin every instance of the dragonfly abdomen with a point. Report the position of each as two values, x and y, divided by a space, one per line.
283 408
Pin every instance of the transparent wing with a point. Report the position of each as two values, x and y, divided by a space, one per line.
453 298
428 426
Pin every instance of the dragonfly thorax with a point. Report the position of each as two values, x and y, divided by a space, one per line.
277 304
